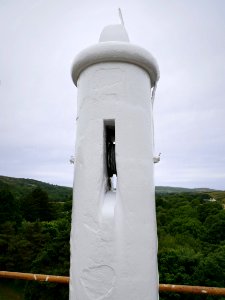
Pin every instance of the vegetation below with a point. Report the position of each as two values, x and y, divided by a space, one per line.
35 220
11 289
191 241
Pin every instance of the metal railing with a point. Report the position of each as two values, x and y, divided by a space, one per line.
162 287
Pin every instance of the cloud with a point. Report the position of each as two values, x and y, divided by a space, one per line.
38 98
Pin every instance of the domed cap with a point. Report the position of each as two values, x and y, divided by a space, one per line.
114 46
116 33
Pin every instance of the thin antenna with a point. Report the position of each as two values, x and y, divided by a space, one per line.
121 16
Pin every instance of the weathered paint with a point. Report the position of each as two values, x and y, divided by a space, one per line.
114 236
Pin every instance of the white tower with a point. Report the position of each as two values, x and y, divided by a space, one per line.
114 237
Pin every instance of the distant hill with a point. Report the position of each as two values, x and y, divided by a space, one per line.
169 189
20 187
215 194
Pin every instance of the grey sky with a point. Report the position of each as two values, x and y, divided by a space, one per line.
39 40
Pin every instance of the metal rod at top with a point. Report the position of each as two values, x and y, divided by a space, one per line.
121 16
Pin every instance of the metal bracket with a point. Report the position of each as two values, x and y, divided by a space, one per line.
156 159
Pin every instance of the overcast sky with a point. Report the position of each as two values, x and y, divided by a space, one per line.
38 42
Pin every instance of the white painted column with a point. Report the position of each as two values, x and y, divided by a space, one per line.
114 236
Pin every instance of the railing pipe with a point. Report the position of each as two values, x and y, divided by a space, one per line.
35 277
172 288
188 289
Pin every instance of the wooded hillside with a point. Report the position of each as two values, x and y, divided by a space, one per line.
35 220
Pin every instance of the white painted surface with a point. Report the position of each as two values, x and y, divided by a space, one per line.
114 33
113 236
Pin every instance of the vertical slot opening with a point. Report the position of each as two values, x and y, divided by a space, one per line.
110 154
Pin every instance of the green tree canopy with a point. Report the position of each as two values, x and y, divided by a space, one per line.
36 206
8 207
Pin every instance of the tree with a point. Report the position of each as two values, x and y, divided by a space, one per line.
54 259
208 209
186 225
177 266
36 206
9 208
7 233
215 228
211 270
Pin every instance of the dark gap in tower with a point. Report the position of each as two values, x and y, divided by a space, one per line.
110 152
